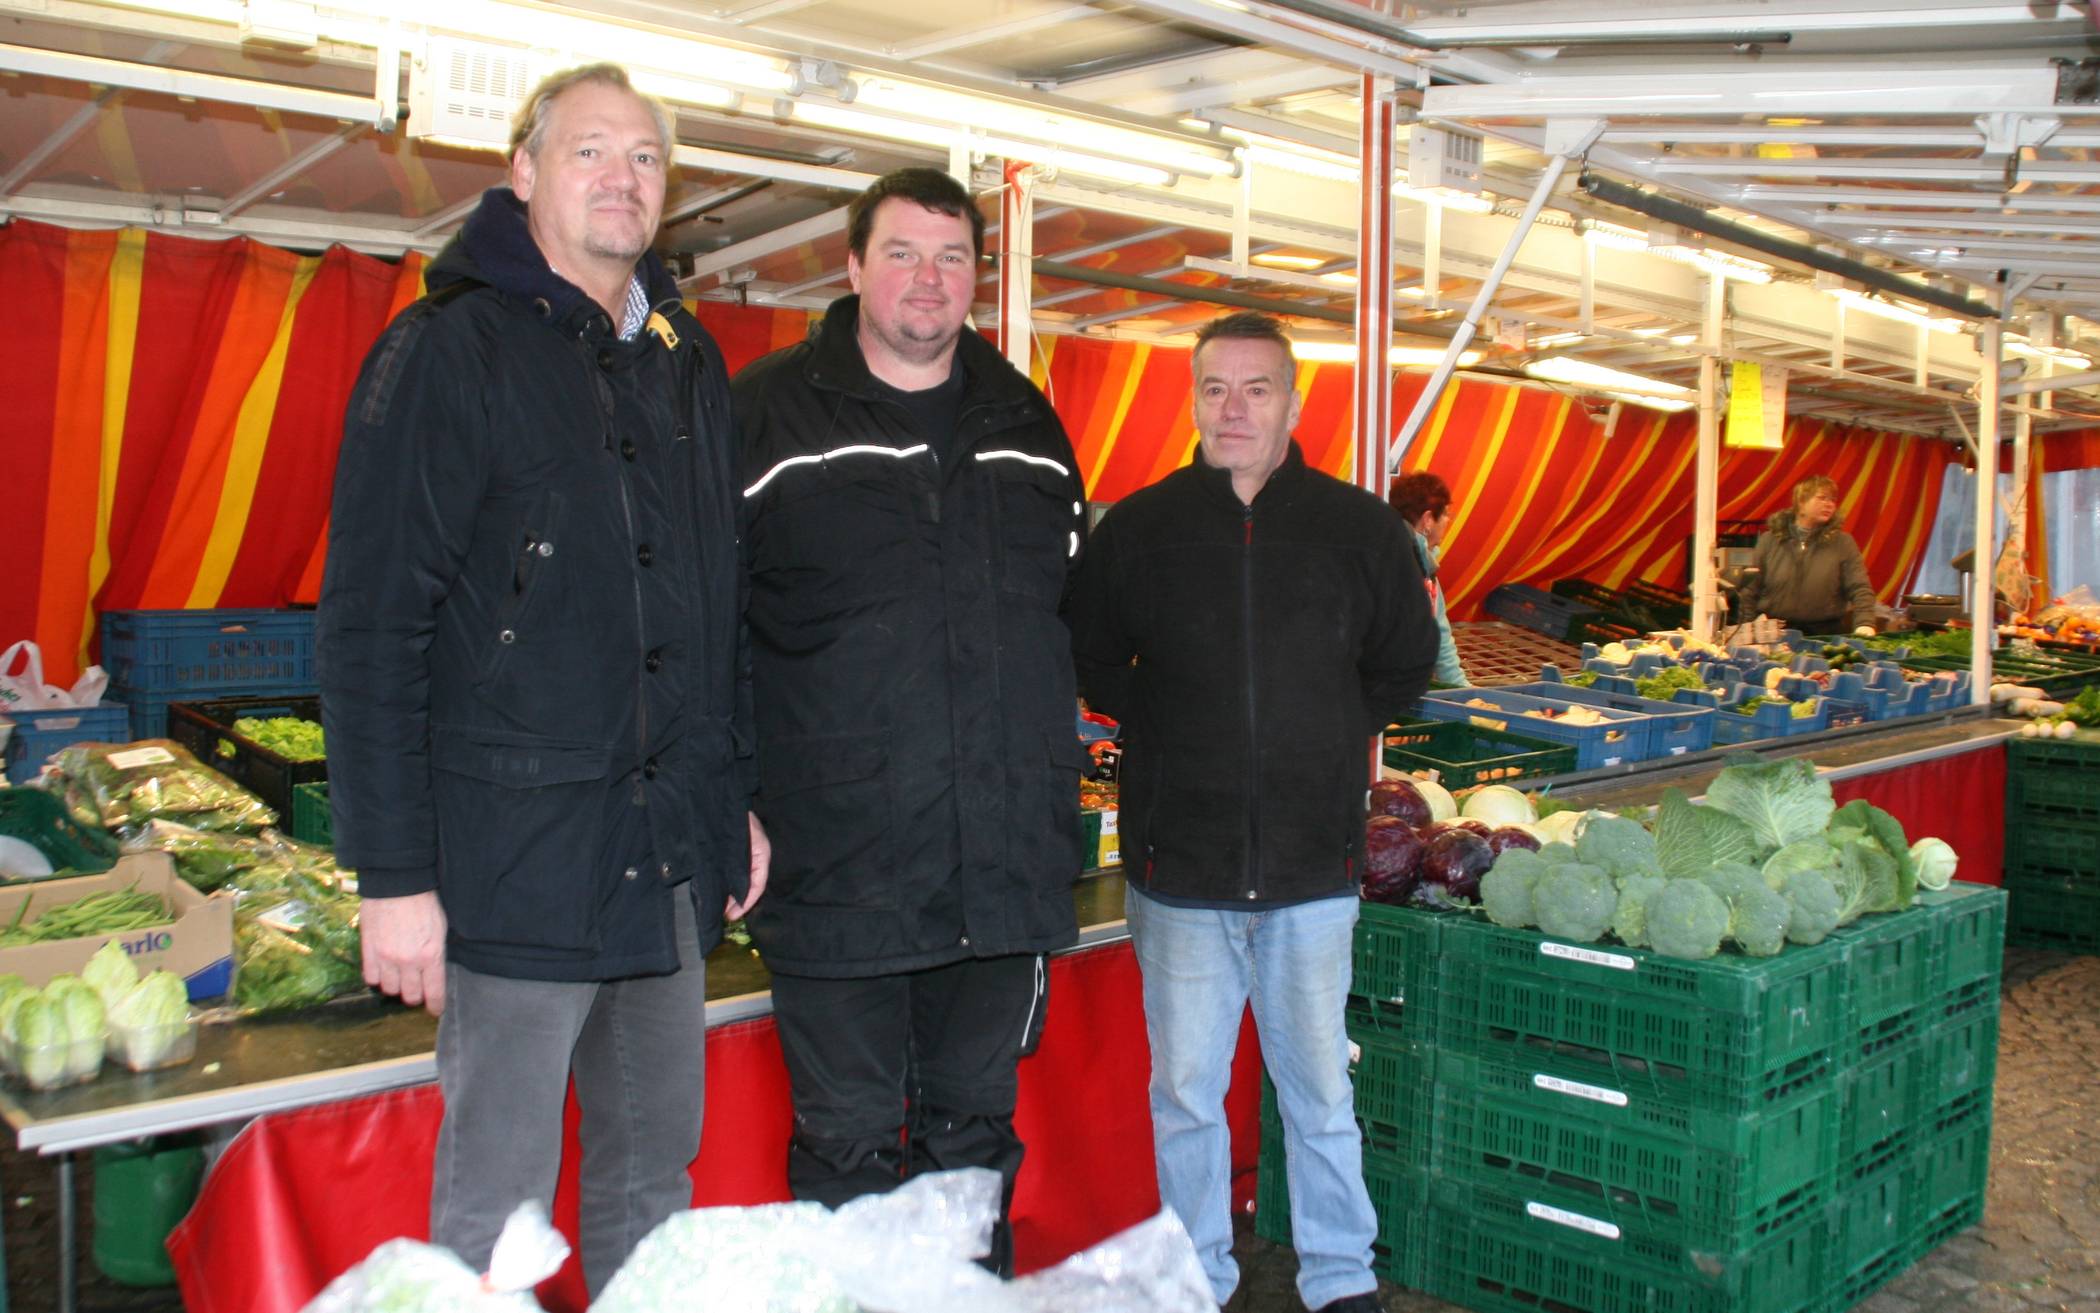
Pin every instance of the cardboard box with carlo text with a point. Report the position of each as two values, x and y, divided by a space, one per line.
198 946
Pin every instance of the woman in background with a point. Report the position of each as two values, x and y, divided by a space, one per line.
1809 570
1424 501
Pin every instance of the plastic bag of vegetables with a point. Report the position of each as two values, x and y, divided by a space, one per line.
209 859
409 1276
150 1025
54 1036
127 785
295 940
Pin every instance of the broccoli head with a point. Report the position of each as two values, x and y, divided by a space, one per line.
1506 890
1620 846
1813 907
1757 916
1630 921
1687 919
1575 902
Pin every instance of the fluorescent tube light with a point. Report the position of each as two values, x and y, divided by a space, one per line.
2020 346
1636 388
1618 238
1279 260
933 134
1902 314
1087 137
1345 353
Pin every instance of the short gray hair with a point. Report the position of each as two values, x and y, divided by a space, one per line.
528 127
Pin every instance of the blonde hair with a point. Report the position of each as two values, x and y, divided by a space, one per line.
528 127
1810 486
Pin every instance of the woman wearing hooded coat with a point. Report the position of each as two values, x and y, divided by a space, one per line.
1809 570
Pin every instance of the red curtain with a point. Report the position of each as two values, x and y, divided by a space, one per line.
1960 799
302 1195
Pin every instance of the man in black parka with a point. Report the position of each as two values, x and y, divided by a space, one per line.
529 652
912 510
1253 623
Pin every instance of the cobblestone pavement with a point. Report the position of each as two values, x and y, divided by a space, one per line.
2037 1249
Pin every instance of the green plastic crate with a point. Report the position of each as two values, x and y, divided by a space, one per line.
1891 973
2053 846
311 819
1504 1253
1393 1081
1971 918
2047 789
1755 1173
1871 1233
1393 957
1731 1031
1964 1047
1952 1168
1882 1101
2053 913
1464 755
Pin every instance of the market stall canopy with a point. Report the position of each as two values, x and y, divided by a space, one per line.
1868 179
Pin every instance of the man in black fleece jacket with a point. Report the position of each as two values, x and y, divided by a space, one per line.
1253 623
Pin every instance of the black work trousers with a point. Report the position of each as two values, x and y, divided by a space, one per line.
901 1074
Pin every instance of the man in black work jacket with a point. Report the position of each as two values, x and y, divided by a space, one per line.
912 509
529 645
1254 624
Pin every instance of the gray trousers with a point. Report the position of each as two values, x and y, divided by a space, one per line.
505 1051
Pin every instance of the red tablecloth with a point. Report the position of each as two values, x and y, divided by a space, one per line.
1960 799
302 1195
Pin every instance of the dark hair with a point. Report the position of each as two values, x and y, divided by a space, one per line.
920 185
1244 324
1418 494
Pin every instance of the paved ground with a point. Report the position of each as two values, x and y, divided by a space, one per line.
2037 1249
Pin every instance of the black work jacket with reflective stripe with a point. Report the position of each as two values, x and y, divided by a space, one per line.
911 677
528 633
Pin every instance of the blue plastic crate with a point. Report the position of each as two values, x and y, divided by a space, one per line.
1537 610
1768 722
38 734
207 653
1622 738
1674 727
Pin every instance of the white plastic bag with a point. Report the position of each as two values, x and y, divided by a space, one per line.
22 685
409 1276
911 1250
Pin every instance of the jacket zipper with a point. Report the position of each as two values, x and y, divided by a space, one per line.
1253 739
641 627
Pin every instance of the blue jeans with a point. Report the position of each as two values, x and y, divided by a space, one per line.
1201 967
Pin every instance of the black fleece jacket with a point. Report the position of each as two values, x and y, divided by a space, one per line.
1251 652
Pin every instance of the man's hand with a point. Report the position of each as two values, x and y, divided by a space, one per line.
761 861
404 944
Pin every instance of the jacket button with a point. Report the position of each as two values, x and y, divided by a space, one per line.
965 941
627 448
507 636
665 870
545 549
654 661
630 873
539 303
605 359
643 554
649 769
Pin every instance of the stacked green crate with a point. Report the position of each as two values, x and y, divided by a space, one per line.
1392 1067
1614 1129
2052 842
1915 1084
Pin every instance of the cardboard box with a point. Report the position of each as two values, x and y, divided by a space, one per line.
198 946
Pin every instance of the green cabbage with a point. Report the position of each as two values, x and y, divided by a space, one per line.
153 1018
110 972
1935 862
1782 802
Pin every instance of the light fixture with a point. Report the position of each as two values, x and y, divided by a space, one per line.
1280 260
1900 312
1340 353
1310 161
1016 121
580 39
1618 238
2017 345
947 137
1636 388
1463 202
1551 340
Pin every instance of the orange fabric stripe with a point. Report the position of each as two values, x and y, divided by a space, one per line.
258 301
75 479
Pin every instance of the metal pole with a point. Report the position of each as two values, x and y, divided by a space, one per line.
1374 287
1426 403
1706 505
68 1250
1982 612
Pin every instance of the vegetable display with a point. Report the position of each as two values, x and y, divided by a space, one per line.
292 737
1771 859
54 1035
110 912
1664 683
120 786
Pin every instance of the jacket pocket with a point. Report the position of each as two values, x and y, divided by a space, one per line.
538 548
1050 845
520 837
825 802
1037 530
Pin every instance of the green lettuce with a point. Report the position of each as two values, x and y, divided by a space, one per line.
1691 840
1782 802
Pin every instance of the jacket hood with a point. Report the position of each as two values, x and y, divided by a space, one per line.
835 360
495 248
1782 524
